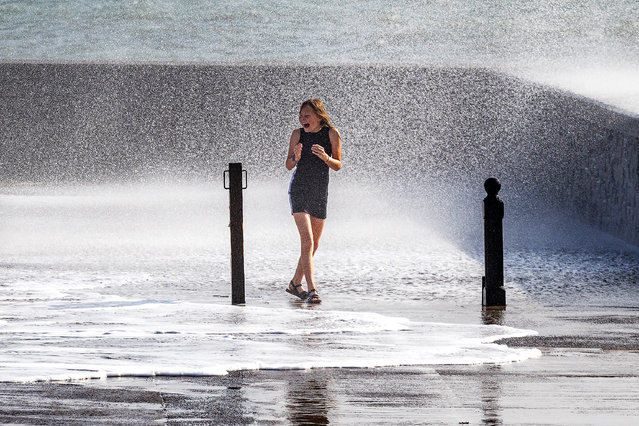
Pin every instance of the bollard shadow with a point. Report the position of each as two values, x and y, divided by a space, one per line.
491 378
493 316
491 389
307 399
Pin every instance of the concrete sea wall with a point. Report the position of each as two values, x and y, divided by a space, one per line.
81 122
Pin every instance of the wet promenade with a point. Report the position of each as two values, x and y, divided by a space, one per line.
587 375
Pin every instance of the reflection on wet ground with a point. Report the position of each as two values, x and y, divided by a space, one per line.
566 386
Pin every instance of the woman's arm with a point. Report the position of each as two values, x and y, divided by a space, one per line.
335 161
294 150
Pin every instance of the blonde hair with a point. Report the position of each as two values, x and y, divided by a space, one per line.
318 107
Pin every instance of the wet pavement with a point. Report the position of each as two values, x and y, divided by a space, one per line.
588 374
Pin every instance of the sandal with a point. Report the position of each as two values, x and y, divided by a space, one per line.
295 291
313 297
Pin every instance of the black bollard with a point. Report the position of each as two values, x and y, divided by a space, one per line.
493 292
237 231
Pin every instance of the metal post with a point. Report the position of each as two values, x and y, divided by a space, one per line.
493 292
237 231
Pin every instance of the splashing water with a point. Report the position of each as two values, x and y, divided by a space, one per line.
111 281
102 281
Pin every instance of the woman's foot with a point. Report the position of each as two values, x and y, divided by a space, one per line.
313 297
296 290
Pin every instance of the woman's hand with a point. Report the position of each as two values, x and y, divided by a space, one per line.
318 150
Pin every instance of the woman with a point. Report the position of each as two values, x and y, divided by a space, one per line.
313 149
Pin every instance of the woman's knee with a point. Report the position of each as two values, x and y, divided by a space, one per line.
308 245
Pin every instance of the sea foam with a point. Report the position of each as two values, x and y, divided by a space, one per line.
117 337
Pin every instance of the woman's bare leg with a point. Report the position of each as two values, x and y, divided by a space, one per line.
310 229
317 226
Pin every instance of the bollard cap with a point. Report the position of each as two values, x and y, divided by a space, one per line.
492 186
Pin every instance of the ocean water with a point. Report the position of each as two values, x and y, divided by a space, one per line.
589 47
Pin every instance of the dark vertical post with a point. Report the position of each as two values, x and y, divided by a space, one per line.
237 233
494 294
